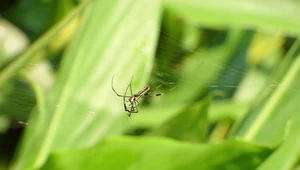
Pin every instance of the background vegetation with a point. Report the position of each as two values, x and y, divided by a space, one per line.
229 70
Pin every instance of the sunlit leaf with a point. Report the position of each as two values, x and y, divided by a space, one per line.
160 154
275 108
81 109
276 15
287 155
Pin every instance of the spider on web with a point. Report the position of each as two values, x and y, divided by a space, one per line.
131 102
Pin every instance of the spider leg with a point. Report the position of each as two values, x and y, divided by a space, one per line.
130 85
136 103
124 100
154 89
125 107
133 108
137 110
158 94
112 87
129 110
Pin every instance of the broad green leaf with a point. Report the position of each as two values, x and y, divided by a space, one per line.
287 155
115 37
189 125
275 15
160 154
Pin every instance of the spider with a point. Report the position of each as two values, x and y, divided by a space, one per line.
132 107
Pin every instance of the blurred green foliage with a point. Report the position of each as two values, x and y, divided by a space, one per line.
229 71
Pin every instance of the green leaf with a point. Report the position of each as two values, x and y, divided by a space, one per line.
206 67
160 154
227 110
275 108
14 104
189 125
115 37
275 15
287 155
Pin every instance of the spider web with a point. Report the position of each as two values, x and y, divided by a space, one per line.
178 65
